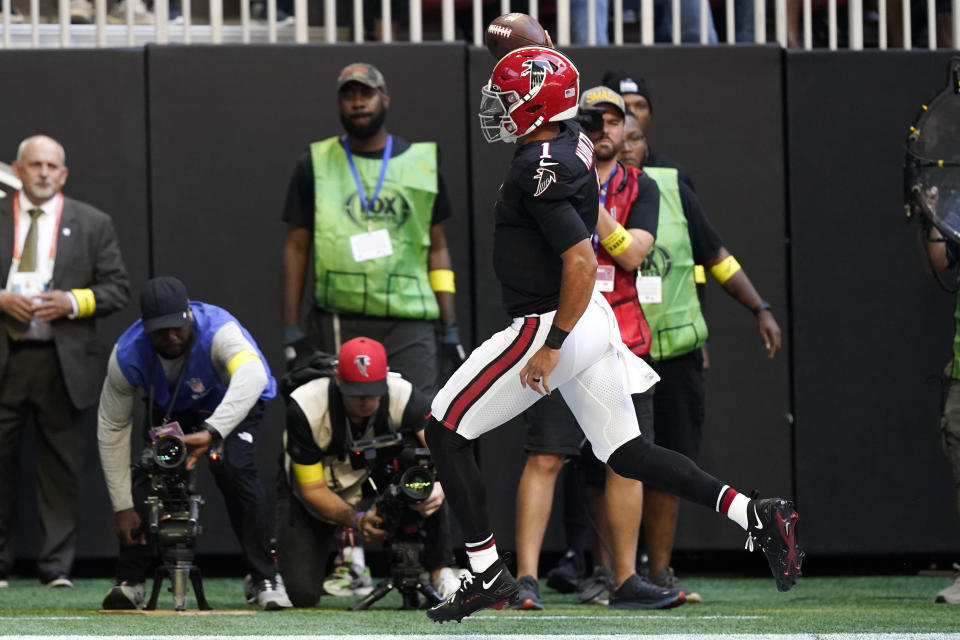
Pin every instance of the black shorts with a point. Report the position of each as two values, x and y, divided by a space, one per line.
552 428
678 405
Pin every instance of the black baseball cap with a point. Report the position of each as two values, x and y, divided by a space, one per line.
164 304
623 83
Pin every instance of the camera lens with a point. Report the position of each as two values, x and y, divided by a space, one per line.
169 452
416 483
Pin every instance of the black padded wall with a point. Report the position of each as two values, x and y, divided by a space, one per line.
93 102
227 125
870 326
732 146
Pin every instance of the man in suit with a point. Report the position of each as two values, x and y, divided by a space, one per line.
64 270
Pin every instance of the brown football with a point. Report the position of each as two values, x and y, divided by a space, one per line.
512 31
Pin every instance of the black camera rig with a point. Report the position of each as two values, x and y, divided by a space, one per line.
173 520
402 475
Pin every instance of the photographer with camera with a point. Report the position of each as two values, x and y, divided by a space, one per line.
327 418
201 369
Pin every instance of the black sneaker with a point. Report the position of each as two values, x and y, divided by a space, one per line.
528 596
596 589
773 528
639 593
566 576
667 579
491 589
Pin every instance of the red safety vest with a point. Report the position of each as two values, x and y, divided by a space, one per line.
626 307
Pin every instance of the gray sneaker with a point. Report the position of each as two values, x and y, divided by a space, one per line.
124 596
951 594
668 580
528 597
271 594
596 589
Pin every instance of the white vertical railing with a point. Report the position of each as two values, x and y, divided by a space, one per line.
63 17
216 21
731 20
100 20
416 21
329 19
592 22
674 23
161 17
386 21
956 24
534 10
618 21
562 37
245 21
5 7
504 7
932 24
187 15
882 24
855 24
446 18
477 22
808 24
704 33
35 23
780 15
759 21
358 21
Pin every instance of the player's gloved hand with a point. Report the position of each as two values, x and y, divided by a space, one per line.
296 347
452 354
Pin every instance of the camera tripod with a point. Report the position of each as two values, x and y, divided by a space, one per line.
405 570
176 537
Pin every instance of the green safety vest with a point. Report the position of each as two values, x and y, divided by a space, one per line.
397 285
676 322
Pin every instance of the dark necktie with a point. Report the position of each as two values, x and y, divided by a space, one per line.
28 257
28 262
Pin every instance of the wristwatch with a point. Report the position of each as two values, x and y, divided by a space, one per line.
763 306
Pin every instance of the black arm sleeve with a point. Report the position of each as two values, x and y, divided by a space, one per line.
704 239
298 211
645 210
301 446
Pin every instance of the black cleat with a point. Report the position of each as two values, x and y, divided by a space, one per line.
773 528
492 589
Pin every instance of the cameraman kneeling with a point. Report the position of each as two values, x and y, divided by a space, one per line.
324 485
201 368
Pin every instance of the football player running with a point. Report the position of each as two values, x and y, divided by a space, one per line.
563 335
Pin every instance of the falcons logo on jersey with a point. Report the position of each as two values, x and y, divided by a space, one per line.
545 178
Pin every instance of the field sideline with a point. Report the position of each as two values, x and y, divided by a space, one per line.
848 608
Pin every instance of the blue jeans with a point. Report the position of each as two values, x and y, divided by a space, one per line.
689 21
578 22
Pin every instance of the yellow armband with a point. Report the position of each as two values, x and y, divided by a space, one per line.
240 358
699 275
442 280
618 241
724 270
86 302
308 473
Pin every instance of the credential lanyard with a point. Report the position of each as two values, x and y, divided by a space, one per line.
603 201
387 151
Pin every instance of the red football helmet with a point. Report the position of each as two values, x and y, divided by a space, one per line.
529 87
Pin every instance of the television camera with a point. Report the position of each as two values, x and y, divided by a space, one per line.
173 519
402 475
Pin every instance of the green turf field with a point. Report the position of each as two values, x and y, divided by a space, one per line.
887 605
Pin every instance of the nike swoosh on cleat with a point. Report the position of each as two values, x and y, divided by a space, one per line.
487 585
755 515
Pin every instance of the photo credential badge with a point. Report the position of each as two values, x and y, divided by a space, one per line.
371 245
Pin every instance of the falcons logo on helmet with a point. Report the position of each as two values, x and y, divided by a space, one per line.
537 70
362 362
545 177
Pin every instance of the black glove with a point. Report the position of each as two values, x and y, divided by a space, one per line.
452 354
296 347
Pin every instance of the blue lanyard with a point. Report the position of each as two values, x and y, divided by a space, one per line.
387 150
603 201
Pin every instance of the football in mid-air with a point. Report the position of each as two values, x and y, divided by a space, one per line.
512 31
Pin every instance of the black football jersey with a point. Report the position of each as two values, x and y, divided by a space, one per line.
547 204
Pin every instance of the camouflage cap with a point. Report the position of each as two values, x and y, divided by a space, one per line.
363 73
